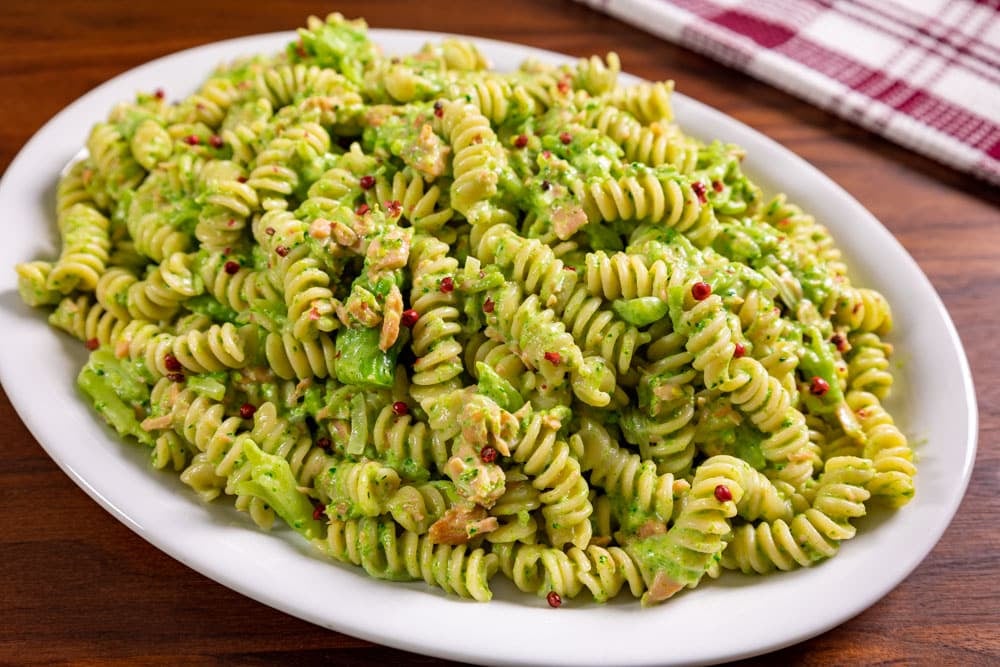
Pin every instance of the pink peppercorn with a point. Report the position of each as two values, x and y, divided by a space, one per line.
722 493
699 189
171 364
701 291
818 386
409 317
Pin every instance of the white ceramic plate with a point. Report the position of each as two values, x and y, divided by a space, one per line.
733 617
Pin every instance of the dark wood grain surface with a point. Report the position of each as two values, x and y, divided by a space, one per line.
78 586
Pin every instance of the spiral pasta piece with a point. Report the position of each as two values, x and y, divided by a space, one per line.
291 357
769 407
888 449
204 423
596 75
171 451
286 84
537 333
85 245
215 349
416 507
425 206
384 554
804 230
407 445
655 145
710 330
32 283
278 167
764 330
72 188
664 431
86 320
497 99
237 290
477 163
599 331
681 556
628 276
228 204
112 157
636 490
439 355
657 195
868 364
605 571
554 470
307 294
358 488
151 143
514 511
809 536
112 291
210 104
539 569
158 220
159 296
862 309
218 466
647 101
530 262
542 570
246 130
277 435
501 358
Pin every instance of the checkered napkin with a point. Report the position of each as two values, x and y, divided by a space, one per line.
923 73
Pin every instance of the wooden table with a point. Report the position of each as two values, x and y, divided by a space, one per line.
77 585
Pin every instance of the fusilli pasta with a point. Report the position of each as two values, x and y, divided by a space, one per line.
446 322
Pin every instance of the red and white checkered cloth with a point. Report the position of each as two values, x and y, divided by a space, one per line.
923 73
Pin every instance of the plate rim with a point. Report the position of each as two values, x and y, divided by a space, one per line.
94 488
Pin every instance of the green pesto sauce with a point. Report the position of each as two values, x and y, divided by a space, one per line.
361 362
118 390
662 553
208 305
498 389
